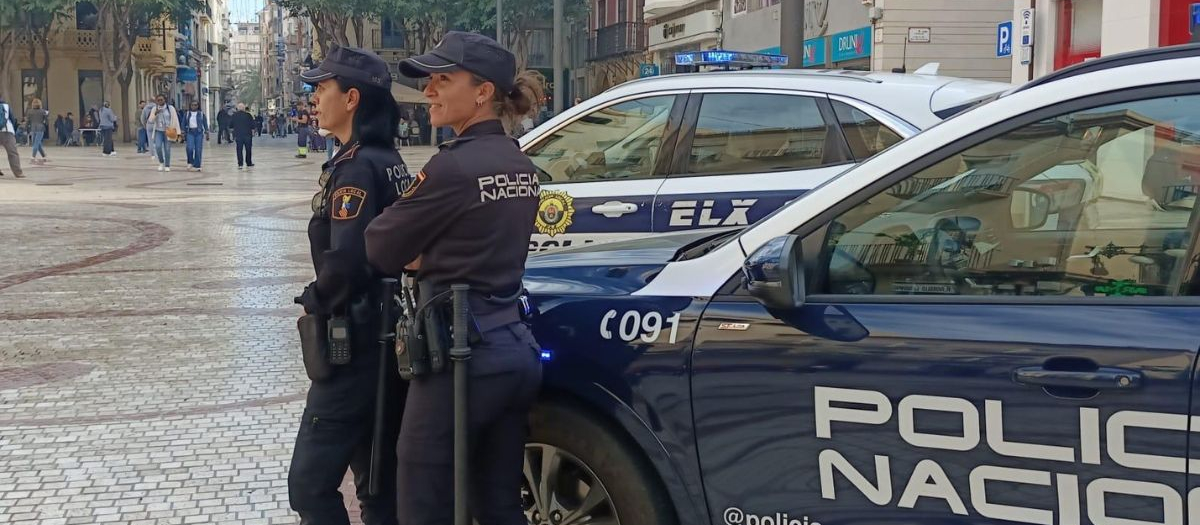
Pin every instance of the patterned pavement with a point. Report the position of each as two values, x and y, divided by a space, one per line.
149 364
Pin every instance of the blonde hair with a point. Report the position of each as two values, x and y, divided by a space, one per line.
528 90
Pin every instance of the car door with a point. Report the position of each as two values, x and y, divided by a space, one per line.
961 359
743 154
600 171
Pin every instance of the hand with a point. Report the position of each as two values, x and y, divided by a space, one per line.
310 300
415 265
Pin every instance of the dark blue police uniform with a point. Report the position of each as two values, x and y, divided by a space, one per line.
336 428
469 216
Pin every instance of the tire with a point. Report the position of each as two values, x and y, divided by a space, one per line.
588 461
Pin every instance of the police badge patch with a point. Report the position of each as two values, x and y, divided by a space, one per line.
347 203
555 212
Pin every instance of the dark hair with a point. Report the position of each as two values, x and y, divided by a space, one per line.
529 87
377 117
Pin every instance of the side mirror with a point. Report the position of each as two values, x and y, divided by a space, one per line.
1029 209
775 274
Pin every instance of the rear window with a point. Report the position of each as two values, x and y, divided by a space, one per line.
865 135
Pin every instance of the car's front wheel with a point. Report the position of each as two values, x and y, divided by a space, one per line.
578 472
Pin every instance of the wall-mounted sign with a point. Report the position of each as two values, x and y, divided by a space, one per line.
683 27
919 35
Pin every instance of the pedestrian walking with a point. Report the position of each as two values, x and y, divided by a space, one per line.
142 140
38 125
8 139
243 127
59 134
108 125
163 124
467 219
354 101
195 135
258 124
223 117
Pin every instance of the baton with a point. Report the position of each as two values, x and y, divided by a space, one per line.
386 335
460 354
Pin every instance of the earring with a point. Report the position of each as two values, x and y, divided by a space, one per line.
478 103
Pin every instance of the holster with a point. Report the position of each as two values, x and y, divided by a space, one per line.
314 346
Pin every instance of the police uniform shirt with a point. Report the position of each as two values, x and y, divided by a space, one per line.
469 215
360 182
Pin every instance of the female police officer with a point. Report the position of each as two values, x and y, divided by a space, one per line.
467 218
353 100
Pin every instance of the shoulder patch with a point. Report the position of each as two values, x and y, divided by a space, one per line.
347 203
412 186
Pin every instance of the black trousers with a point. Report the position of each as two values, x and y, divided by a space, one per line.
505 377
336 433
223 132
106 135
246 145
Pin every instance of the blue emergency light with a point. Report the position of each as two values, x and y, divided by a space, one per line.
721 57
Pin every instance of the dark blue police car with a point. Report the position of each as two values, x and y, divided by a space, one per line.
956 331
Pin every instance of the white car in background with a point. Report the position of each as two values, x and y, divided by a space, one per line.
721 149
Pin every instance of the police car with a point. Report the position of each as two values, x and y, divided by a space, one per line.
943 334
720 149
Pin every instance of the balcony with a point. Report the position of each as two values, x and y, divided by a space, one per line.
616 40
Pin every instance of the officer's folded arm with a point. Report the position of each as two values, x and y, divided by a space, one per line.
398 236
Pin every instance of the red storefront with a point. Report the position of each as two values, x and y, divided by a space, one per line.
1079 22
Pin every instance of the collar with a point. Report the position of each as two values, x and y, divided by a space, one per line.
487 127
346 152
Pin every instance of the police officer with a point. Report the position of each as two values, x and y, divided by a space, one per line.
354 101
467 219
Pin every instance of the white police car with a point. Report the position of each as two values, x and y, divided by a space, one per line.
995 321
720 149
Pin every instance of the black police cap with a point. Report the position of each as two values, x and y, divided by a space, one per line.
473 52
351 63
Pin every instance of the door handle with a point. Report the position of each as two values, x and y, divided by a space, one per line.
614 209
1103 378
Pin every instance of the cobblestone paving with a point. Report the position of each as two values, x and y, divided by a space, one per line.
149 365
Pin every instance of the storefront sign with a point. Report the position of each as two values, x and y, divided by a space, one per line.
814 52
647 70
684 27
852 44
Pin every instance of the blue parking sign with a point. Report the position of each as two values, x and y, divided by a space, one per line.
647 70
1004 39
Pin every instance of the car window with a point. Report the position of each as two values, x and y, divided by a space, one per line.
865 135
1099 202
755 133
621 141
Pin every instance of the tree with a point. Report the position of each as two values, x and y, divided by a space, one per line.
35 22
332 18
121 22
249 88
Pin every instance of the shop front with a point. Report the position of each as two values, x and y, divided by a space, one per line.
699 31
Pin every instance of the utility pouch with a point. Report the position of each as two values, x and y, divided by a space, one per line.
435 319
412 349
314 346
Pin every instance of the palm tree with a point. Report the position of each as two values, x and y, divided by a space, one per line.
249 88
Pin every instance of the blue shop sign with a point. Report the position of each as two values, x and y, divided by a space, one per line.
186 74
852 44
814 51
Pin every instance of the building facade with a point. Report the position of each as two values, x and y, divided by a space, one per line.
1067 32
616 42
245 48
73 79
960 35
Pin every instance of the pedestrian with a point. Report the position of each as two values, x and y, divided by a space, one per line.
258 124
467 219
108 125
404 131
163 124
195 135
8 139
60 138
354 101
69 127
302 133
242 125
223 124
143 139
38 125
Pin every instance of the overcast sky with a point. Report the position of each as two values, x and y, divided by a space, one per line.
244 10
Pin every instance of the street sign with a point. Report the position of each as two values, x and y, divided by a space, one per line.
1004 39
919 35
1027 27
647 70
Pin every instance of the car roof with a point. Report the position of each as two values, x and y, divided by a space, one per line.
913 97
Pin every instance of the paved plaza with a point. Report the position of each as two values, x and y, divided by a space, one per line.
149 363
